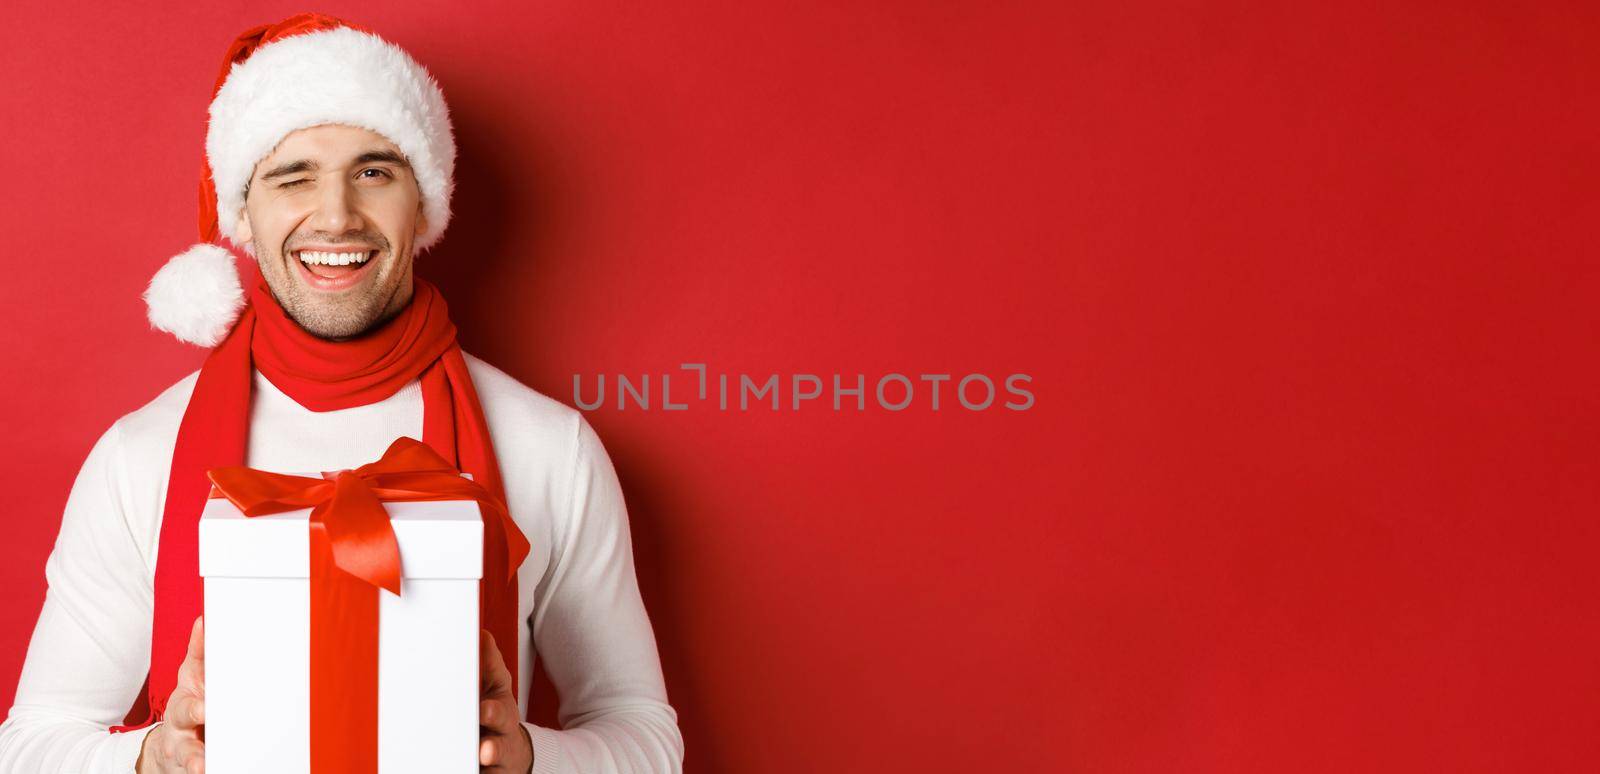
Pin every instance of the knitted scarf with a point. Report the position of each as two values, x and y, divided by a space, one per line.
321 375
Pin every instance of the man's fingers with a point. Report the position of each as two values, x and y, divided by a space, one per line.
193 715
193 668
192 678
177 714
191 755
494 678
503 742
496 714
488 652
185 711
197 640
182 730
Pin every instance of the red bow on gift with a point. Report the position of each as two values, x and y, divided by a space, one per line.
349 503
353 553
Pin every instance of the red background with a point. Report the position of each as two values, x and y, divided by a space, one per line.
1308 296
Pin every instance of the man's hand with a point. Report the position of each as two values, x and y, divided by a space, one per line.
504 746
177 743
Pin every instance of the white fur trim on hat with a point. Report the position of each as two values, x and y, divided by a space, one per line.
196 296
335 76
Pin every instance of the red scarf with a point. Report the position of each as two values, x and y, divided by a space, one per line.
321 375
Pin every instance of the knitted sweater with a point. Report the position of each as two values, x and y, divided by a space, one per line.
580 598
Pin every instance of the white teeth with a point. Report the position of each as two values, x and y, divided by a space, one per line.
332 259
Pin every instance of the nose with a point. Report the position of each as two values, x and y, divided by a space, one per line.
336 211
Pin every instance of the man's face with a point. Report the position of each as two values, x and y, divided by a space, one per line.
331 216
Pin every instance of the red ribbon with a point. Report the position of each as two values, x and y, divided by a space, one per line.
353 554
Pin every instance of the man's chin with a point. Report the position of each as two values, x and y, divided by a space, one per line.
336 323
330 314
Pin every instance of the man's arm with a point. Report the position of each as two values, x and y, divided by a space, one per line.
91 646
592 633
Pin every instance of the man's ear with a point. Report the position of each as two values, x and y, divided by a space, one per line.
422 220
243 228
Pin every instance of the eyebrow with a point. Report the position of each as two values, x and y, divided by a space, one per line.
307 165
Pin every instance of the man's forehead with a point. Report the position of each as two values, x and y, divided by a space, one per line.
333 145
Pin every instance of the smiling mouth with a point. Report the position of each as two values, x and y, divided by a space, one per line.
333 270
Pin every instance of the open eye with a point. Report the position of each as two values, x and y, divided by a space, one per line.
382 172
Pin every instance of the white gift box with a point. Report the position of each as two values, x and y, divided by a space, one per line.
257 640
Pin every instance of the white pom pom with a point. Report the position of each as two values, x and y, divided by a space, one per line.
196 296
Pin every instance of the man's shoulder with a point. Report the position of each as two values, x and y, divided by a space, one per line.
510 405
158 419
142 441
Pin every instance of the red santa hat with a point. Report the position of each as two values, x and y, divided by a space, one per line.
307 70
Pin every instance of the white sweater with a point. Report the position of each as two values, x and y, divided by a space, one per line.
580 597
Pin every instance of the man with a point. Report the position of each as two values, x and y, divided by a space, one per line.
329 160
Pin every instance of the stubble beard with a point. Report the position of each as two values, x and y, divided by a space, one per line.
353 313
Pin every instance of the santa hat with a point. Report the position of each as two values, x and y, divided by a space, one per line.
306 70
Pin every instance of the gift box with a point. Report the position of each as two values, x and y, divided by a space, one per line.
271 672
